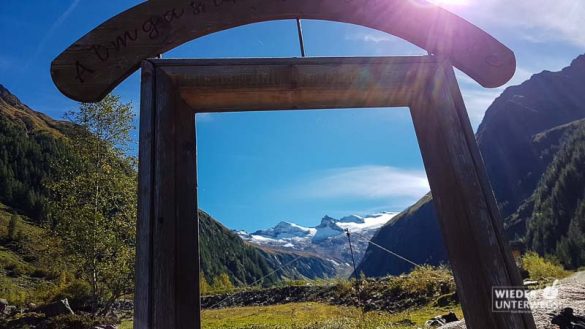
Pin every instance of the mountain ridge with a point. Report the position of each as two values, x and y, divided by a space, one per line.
33 142
521 132
327 240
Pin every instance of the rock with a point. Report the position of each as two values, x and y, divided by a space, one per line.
447 299
60 307
3 305
441 320
566 319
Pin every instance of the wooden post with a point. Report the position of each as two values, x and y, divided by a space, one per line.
167 289
469 219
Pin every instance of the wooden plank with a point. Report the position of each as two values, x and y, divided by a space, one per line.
164 229
97 62
146 152
174 298
187 299
317 83
478 252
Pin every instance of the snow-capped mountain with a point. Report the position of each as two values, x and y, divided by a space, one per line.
328 239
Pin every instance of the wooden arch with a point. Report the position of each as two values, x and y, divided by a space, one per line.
100 60
172 91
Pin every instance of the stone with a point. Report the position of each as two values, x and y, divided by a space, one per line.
60 307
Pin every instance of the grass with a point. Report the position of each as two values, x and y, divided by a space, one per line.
313 316
29 271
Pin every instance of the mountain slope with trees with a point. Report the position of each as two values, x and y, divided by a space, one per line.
30 143
223 251
58 179
521 135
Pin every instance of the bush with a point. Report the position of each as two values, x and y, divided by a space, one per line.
222 284
78 293
428 280
77 321
15 270
542 269
12 227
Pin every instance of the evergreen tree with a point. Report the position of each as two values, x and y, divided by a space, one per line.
204 287
13 227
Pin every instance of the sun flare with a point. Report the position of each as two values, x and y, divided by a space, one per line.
448 3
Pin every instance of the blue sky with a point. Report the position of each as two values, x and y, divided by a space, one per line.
256 169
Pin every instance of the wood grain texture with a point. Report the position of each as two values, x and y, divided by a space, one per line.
313 83
100 60
167 290
146 152
470 222
171 94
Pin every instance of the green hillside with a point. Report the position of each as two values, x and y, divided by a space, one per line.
530 140
222 251
32 152
29 143
30 270
557 223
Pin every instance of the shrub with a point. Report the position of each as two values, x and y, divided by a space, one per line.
542 269
12 227
428 280
222 283
77 321
78 293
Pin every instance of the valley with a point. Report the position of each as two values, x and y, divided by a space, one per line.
533 143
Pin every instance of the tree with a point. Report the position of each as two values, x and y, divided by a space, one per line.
93 204
222 283
12 227
204 287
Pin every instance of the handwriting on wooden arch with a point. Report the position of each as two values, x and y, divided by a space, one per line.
99 61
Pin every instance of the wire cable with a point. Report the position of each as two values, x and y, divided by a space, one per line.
387 250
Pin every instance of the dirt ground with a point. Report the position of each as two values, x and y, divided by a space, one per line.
571 293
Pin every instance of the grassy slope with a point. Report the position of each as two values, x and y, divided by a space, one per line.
315 315
26 265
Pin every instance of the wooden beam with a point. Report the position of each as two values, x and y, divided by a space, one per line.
309 83
96 63
143 299
167 291
469 220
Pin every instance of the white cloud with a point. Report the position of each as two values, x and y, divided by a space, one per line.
365 182
556 19
534 20
373 37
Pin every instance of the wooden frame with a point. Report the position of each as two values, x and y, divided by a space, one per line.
173 91
100 60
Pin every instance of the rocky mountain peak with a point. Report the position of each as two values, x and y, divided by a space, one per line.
352 219
327 221
9 98
578 63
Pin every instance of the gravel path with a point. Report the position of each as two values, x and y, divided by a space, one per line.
571 294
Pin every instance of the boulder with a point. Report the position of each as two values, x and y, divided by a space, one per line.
3 305
441 320
60 307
